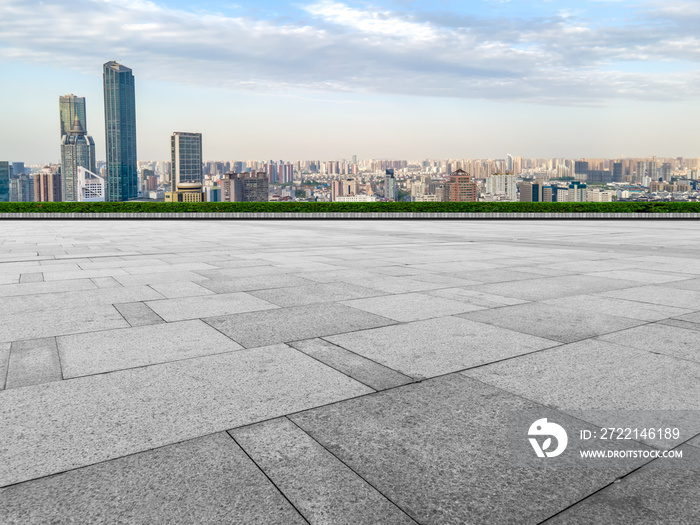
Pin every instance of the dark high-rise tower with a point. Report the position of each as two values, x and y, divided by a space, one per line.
121 182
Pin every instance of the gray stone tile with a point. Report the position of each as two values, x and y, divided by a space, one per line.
180 289
109 350
641 276
653 494
555 287
660 339
496 275
292 324
162 267
11 290
9 278
314 293
663 295
91 419
106 282
604 305
249 271
34 277
552 322
323 489
33 362
440 450
438 346
204 480
335 276
442 279
4 360
138 314
600 378
247 284
365 371
51 275
208 306
390 284
47 323
467 295
455 267
412 306
156 278
680 324
605 265
79 299
689 284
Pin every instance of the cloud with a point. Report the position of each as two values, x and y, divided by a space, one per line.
333 46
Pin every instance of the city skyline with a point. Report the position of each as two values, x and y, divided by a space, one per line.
392 79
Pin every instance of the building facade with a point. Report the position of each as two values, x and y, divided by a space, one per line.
244 187
71 107
77 150
499 184
5 172
461 188
47 186
120 132
186 160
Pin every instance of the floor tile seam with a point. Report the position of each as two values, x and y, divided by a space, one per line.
643 302
58 355
592 494
669 356
228 433
331 367
109 460
145 303
361 477
148 365
323 338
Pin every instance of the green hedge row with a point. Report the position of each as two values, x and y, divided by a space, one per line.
336 207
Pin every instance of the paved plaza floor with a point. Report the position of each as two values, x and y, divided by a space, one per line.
348 372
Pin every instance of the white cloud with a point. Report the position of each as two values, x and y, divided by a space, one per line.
564 59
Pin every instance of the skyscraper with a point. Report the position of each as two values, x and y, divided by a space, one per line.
5 172
391 189
186 157
120 132
69 107
77 150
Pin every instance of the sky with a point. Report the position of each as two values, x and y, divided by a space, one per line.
382 79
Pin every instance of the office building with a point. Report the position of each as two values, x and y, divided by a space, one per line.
577 192
21 188
120 132
391 189
186 160
71 107
77 151
5 172
580 170
245 187
47 185
666 172
617 172
530 192
18 168
461 188
502 185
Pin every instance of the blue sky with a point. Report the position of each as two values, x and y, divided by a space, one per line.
391 78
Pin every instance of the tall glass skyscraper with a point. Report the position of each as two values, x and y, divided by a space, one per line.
120 132
71 106
77 149
5 172
186 157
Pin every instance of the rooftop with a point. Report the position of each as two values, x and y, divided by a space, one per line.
346 372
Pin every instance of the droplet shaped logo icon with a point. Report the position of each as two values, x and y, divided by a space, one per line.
544 428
